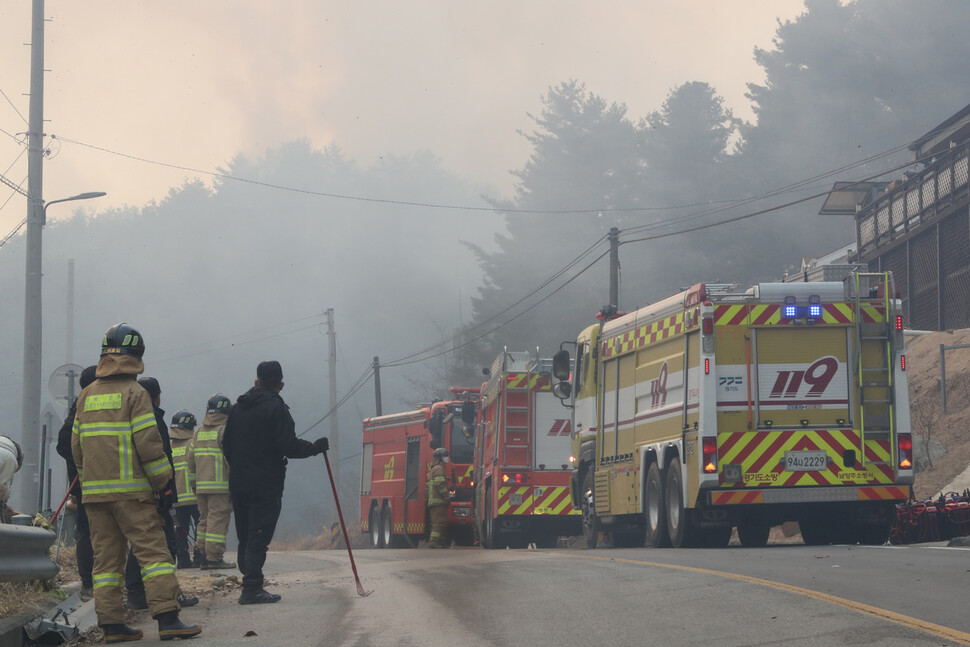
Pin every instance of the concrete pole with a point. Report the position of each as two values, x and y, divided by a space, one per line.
614 237
30 411
334 431
70 315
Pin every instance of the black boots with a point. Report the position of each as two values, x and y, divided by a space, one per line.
187 600
135 600
258 596
121 633
170 627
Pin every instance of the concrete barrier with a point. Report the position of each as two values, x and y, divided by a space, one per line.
25 553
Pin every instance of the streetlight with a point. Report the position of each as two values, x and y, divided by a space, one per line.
79 196
33 337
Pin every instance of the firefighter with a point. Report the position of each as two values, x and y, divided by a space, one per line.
123 471
82 532
181 433
209 478
11 460
438 497
260 436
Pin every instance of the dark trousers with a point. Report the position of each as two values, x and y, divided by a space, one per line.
85 553
133 581
256 516
186 521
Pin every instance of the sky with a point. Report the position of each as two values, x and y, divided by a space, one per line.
194 84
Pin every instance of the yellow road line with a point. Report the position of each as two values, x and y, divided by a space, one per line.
946 633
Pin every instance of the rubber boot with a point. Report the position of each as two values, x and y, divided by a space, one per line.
211 565
197 559
170 627
121 633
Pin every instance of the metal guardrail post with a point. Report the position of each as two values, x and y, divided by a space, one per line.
943 370
25 554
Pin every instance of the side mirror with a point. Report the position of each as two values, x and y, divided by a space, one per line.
562 390
468 413
560 365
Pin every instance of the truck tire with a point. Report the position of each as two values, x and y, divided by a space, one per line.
387 527
718 537
679 529
655 516
591 524
874 534
374 525
753 535
815 532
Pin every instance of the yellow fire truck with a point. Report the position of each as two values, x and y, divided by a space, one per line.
720 407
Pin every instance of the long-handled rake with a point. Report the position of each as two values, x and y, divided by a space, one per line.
343 526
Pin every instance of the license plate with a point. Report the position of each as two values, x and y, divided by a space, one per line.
515 498
805 461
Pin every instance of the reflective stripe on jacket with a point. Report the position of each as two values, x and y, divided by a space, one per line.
208 469
115 441
180 457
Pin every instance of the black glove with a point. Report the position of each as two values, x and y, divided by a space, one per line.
166 499
321 445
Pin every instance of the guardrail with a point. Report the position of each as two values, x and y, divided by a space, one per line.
25 553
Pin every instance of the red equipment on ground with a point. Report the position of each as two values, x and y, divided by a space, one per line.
932 520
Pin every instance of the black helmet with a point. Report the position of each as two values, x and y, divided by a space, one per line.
440 454
218 403
122 338
183 419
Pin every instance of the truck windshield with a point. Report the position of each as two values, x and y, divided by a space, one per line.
462 447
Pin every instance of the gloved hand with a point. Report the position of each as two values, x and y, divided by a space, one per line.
166 499
321 445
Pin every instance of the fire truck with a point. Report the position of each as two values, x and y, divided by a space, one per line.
719 408
396 462
522 457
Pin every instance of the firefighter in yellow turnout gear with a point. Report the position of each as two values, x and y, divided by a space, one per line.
122 464
438 498
181 433
209 477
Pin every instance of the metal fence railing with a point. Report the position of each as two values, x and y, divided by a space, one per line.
25 553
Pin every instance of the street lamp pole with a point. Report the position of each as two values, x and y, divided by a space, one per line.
33 339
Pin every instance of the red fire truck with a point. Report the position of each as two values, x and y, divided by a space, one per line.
396 461
522 464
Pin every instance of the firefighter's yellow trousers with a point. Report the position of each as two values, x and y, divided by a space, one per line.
210 535
115 524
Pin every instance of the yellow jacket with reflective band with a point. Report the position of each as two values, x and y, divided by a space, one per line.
437 489
116 444
208 469
181 440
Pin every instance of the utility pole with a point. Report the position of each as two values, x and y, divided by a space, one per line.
30 410
614 237
70 317
377 384
334 432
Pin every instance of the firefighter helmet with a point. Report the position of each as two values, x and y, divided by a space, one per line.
440 454
123 339
183 419
218 403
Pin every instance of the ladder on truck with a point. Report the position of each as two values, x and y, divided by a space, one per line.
516 417
873 363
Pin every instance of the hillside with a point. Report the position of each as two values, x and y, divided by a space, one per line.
952 430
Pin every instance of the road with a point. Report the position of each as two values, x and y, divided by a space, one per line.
792 594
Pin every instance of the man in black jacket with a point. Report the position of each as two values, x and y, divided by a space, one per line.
260 435
82 533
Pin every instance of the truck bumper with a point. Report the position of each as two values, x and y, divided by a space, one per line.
841 493
460 513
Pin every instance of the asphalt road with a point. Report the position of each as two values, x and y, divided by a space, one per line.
791 594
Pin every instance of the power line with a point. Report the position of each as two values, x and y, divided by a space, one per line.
14 107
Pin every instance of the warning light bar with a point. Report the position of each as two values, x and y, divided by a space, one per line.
899 323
